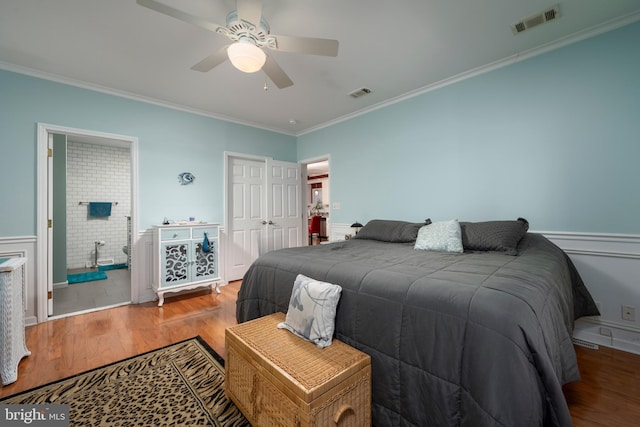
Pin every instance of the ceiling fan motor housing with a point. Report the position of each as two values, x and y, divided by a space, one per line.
238 29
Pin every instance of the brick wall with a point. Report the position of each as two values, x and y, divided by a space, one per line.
97 173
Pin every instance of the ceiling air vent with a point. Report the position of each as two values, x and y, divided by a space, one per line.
537 19
360 92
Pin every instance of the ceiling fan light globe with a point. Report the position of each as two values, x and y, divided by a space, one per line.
246 56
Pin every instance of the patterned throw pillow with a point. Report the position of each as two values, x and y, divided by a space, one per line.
312 310
441 236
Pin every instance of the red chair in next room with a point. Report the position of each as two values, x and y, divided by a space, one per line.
314 227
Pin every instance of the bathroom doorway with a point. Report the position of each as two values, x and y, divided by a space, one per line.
90 205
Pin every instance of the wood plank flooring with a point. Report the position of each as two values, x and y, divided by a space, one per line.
608 395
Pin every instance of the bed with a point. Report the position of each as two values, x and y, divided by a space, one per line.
478 338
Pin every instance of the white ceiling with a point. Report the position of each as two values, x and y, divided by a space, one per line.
318 168
395 48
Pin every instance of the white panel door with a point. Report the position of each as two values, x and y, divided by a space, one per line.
284 222
246 213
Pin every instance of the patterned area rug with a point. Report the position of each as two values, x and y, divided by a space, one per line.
178 385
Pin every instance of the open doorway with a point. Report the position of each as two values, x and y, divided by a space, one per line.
318 200
95 190
89 198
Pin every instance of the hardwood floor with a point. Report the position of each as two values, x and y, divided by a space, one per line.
608 395
63 347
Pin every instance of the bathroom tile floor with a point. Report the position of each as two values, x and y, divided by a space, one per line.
116 289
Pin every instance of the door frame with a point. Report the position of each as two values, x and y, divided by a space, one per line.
43 266
304 163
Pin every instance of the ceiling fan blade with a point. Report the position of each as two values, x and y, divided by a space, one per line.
178 14
211 61
311 46
276 74
250 11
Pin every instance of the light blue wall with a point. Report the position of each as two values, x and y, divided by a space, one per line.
554 139
170 142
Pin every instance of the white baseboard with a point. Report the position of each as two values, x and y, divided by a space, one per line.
608 334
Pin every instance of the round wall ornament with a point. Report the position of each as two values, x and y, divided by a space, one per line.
186 178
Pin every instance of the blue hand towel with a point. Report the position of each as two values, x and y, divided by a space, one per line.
99 208
206 247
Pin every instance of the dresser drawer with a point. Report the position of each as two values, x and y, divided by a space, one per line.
198 232
175 234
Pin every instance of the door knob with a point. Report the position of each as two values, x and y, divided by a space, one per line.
264 222
270 222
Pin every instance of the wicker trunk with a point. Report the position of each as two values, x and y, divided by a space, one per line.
277 378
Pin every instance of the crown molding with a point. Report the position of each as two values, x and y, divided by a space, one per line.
128 95
521 56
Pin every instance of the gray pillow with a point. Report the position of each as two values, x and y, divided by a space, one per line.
312 310
391 231
500 236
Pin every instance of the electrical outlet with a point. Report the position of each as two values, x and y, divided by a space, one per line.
628 313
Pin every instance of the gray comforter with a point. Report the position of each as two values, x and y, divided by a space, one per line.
473 339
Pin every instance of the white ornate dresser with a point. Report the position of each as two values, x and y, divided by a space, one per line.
182 260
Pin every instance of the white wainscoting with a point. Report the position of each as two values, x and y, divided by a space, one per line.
609 265
338 231
145 263
24 247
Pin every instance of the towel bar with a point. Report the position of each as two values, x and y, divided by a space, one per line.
86 203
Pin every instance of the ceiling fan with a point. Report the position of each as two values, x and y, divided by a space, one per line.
250 35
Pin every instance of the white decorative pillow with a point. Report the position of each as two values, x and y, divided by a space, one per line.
441 236
312 310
